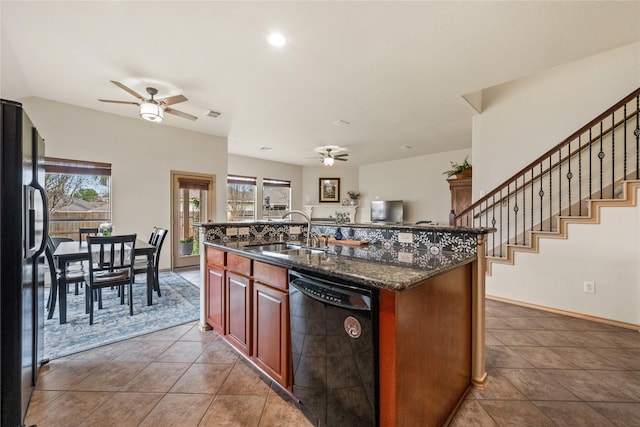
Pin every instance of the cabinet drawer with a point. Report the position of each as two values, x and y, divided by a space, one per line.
270 274
239 264
215 256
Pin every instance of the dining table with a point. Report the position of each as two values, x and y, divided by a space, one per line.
73 251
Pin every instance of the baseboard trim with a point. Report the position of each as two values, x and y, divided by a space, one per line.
567 313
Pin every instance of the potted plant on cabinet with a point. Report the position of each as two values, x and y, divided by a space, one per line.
462 170
354 196
186 246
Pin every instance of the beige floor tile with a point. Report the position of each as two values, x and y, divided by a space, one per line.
170 334
627 382
195 334
124 410
586 386
64 375
499 356
542 357
157 377
512 337
621 414
498 387
111 376
622 357
244 380
218 352
472 414
234 411
202 378
182 351
516 413
537 384
573 414
278 412
68 410
144 350
178 410
107 352
621 339
584 358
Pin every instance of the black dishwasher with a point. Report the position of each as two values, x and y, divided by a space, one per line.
334 348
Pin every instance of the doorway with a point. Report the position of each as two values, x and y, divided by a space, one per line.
192 201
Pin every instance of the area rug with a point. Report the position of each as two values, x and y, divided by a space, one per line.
179 303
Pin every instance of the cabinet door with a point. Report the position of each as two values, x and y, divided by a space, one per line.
215 298
270 332
238 311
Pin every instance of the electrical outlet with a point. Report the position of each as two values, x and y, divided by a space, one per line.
405 237
590 287
232 231
243 231
294 229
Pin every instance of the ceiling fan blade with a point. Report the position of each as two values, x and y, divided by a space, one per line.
338 158
180 114
335 156
118 102
126 89
172 99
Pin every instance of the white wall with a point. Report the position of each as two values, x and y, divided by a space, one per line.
311 182
523 119
249 166
554 277
418 181
141 153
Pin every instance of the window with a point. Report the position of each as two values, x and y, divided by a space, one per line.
78 193
241 198
277 197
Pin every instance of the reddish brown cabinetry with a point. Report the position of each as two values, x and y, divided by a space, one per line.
460 200
271 321
215 290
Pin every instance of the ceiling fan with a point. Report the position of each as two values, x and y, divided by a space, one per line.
153 109
328 159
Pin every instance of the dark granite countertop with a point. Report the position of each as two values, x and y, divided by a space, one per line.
394 268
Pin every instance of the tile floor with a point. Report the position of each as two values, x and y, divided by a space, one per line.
545 370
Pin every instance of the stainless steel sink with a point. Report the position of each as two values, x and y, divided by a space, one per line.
284 249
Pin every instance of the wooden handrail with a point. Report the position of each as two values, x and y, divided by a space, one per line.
550 152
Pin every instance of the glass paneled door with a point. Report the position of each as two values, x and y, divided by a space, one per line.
192 202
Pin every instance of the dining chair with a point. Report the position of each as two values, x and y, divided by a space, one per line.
72 274
83 232
110 264
157 239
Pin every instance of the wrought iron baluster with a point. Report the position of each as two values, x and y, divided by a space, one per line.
637 134
532 185
569 176
580 175
541 194
613 155
515 213
524 210
493 222
500 241
550 194
624 113
601 157
508 213
590 165
560 181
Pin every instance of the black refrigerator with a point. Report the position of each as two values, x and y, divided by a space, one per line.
23 232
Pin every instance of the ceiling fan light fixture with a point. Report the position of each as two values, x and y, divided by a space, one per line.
151 111
328 161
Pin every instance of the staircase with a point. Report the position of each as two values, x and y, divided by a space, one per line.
597 166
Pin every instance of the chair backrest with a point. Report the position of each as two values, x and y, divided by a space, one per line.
161 233
87 231
111 253
152 237
48 252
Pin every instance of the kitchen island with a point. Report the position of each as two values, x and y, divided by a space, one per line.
429 327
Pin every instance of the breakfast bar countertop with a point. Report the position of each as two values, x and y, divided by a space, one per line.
395 268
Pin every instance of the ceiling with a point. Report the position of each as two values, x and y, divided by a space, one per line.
396 71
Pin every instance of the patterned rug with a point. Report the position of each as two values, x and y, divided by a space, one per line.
179 303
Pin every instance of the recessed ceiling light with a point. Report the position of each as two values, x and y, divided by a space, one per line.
276 39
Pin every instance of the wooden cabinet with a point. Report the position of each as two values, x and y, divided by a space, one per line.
247 303
239 311
271 322
215 300
215 290
460 200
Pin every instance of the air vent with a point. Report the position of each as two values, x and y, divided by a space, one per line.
213 114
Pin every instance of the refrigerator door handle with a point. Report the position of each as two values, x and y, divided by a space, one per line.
45 217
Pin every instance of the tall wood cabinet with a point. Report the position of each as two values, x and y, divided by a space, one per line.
460 188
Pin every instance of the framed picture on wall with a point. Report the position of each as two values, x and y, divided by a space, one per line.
329 190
